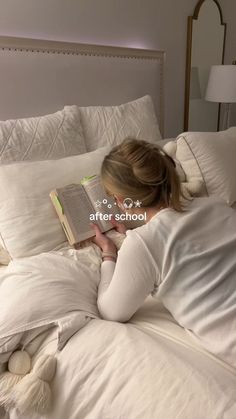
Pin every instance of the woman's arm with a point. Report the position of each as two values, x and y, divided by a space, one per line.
125 284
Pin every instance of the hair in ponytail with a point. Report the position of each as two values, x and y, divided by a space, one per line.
142 171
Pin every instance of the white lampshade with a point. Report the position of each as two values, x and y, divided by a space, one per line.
222 84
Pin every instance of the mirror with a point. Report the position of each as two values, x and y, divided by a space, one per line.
205 47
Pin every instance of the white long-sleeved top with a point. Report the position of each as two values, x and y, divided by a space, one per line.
188 260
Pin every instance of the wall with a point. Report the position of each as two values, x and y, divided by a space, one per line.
154 24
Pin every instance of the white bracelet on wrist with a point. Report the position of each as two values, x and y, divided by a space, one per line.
109 254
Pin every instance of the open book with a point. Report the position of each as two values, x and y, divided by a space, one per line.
79 205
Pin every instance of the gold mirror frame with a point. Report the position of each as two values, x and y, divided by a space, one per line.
189 56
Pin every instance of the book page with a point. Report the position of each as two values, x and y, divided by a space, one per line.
77 209
101 202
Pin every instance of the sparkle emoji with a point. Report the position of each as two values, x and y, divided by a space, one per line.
98 204
137 203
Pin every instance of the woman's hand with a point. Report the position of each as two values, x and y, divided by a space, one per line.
105 244
119 227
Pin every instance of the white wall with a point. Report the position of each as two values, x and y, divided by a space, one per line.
154 24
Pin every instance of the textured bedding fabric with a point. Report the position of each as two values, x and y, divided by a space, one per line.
146 369
42 138
110 125
49 289
210 157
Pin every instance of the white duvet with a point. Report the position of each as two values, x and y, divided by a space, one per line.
137 370
148 368
38 292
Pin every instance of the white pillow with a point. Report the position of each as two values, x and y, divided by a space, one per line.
28 222
42 138
210 157
103 125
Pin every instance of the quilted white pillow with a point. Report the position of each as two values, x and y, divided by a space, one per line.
42 138
210 157
28 222
103 125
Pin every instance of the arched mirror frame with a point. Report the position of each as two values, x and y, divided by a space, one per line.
189 55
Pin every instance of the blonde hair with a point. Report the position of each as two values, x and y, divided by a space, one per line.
142 171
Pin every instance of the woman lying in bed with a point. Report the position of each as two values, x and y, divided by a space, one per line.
185 253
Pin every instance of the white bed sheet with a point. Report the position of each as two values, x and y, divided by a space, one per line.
148 368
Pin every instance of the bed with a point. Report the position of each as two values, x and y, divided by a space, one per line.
72 102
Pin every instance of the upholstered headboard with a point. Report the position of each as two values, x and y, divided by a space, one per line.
39 77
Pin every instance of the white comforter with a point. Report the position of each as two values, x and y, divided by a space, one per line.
148 368
141 370
55 288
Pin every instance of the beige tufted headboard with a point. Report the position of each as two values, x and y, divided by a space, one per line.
39 77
